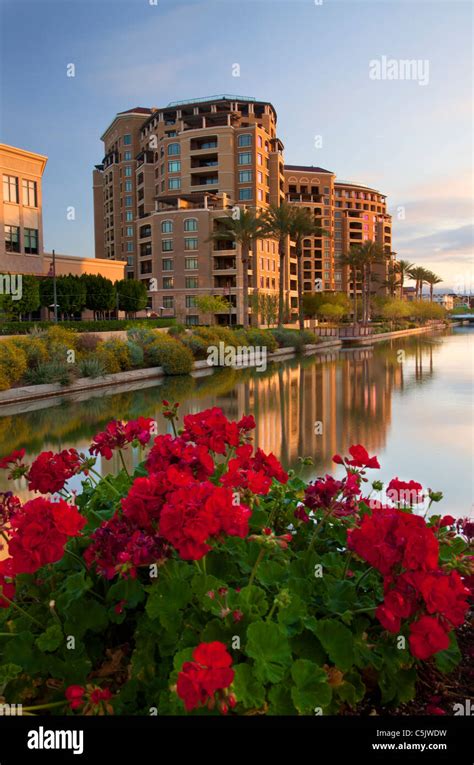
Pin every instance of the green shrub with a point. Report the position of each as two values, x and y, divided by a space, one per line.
309 338
4 381
288 338
87 342
172 355
13 361
197 345
91 367
177 330
24 327
141 335
34 348
215 335
262 338
48 372
115 356
137 355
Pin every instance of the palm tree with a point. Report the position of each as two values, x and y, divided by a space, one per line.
370 253
353 260
244 230
392 280
404 268
432 279
418 274
302 226
279 224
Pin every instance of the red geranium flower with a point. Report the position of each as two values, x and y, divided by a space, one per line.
208 674
49 472
427 637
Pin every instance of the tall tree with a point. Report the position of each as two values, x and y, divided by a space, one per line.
279 224
370 253
432 279
132 295
404 268
418 274
244 229
353 261
100 293
302 226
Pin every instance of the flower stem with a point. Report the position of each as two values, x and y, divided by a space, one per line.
363 577
46 706
76 557
346 566
104 478
22 610
256 565
123 462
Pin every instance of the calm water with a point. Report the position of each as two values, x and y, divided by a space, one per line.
412 409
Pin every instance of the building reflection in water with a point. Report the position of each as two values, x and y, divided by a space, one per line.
316 406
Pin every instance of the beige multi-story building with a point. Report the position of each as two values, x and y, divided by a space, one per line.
168 177
21 222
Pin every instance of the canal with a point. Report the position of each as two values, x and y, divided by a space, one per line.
409 401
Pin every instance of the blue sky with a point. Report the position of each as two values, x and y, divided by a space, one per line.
412 141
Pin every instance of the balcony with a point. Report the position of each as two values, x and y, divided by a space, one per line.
312 198
145 157
203 161
110 159
204 180
203 144
224 264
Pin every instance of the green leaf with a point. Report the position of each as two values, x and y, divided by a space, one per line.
130 590
311 689
166 598
270 572
397 687
340 596
249 692
338 642
50 639
352 689
8 672
280 702
267 644
252 602
448 660
85 614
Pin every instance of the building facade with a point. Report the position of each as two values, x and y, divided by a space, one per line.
21 222
168 177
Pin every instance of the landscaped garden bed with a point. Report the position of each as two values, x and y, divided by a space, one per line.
210 581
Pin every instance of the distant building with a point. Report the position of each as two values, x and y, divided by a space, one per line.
21 222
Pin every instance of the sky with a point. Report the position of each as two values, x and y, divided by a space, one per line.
321 64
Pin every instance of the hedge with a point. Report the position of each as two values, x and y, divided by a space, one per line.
24 327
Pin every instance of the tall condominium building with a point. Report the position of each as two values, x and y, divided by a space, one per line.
170 175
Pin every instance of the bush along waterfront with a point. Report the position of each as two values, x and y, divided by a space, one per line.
61 355
210 581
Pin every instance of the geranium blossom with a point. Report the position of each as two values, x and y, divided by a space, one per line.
209 673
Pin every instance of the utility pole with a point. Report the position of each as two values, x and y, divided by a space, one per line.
55 296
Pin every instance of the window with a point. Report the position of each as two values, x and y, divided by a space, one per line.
12 238
145 267
167 245
190 264
29 193
174 183
128 186
129 263
245 176
174 148
245 158
167 282
145 231
244 140
127 139
190 224
260 176
190 301
10 189
128 217
192 320
128 171
174 166
168 301
129 246
31 241
167 264
191 282
260 141
245 194
190 243
260 195
167 227
128 201
127 156
145 249
259 159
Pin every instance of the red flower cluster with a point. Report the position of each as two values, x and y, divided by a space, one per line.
337 497
91 699
254 473
40 530
405 550
177 504
49 472
209 674
405 492
360 458
14 461
120 547
212 429
118 435
194 515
